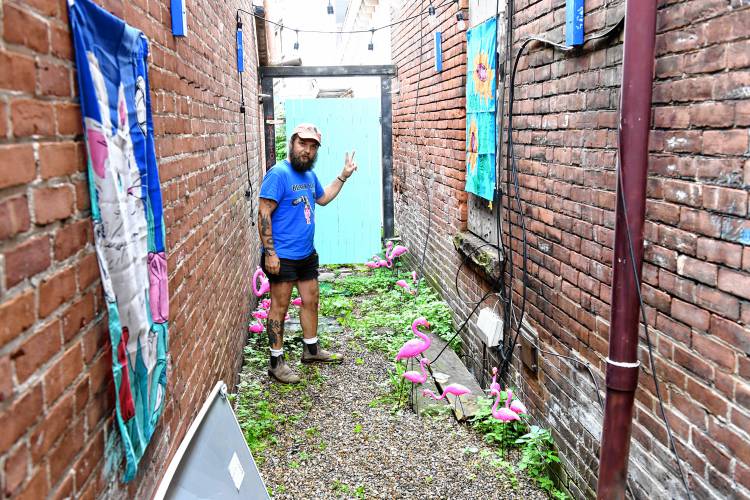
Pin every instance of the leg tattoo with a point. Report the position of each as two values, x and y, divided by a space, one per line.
275 331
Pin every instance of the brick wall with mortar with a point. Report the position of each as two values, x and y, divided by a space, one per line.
56 388
696 271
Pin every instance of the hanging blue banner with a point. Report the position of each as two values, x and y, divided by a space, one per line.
481 136
126 208
240 52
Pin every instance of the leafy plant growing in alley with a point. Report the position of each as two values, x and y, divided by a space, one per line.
494 431
536 443
256 417
385 312
538 456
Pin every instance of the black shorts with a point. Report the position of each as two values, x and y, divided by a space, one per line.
293 270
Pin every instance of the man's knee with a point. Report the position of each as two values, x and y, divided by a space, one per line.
312 303
280 296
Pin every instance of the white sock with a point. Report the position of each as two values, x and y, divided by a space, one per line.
313 340
276 352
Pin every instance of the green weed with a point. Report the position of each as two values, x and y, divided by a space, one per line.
495 431
256 417
538 457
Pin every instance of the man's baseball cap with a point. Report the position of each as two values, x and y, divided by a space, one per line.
308 131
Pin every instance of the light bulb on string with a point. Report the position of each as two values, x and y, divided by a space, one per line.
432 15
371 46
296 41
329 9
461 22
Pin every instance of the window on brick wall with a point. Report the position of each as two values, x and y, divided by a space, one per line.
483 219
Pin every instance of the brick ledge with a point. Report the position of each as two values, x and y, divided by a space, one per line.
485 261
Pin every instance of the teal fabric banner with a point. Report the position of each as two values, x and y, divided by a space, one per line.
126 211
481 135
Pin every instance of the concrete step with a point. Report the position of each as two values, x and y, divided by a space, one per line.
448 369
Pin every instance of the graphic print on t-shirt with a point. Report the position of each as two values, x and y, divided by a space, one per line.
308 209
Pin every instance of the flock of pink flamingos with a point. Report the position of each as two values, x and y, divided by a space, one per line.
411 349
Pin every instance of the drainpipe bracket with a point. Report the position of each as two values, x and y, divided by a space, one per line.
622 376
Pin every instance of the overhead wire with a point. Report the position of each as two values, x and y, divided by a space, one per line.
427 189
249 193
341 32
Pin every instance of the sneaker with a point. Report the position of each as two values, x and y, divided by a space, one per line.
321 356
282 373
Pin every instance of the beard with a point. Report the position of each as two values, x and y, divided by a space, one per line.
301 165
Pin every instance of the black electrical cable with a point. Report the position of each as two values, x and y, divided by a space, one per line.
637 278
512 177
464 261
500 111
507 355
475 305
582 363
508 256
249 193
463 325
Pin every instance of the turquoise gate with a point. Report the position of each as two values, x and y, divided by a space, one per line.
348 229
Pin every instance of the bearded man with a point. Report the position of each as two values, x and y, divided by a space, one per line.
286 223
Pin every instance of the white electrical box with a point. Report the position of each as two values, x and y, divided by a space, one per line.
491 326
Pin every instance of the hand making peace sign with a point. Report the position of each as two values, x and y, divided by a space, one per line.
349 165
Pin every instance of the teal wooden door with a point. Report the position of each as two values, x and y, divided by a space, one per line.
348 229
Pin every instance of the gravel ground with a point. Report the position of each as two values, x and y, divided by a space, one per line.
341 447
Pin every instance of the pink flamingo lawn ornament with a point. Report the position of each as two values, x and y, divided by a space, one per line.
264 287
297 302
256 327
504 414
515 405
494 386
415 377
415 347
392 252
376 262
263 314
265 304
403 284
414 277
456 390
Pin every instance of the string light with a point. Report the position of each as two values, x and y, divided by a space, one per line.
296 42
329 8
460 19
371 46
433 15
432 11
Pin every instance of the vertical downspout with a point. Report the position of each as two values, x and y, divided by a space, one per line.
622 362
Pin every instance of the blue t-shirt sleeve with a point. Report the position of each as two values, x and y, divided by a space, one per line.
319 191
273 185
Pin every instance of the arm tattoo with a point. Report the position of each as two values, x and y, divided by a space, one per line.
266 233
275 330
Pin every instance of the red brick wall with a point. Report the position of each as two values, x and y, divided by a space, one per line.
436 174
56 388
697 262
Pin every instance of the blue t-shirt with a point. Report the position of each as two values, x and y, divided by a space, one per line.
293 220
